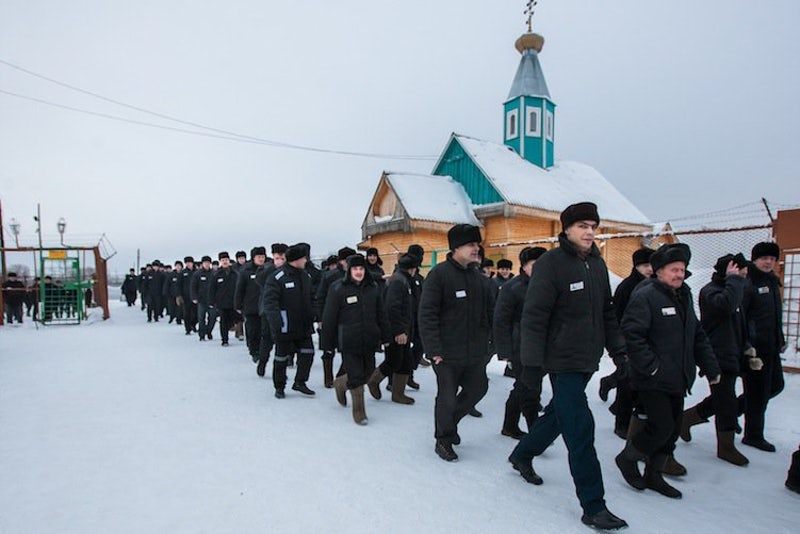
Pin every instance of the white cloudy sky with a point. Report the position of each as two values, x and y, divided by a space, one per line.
685 106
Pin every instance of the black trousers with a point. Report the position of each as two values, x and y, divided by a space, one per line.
303 349
153 307
663 424
227 318
189 315
417 350
759 388
358 368
722 403
265 343
451 404
252 333
622 407
399 359
523 400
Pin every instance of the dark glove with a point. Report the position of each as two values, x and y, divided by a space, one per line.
531 377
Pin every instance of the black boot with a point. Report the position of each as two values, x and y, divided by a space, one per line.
793 477
327 372
445 451
690 418
525 470
627 462
607 383
262 367
654 480
303 388
759 443
604 520
511 420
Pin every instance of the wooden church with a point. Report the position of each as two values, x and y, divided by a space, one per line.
514 191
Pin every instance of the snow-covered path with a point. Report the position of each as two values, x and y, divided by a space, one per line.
124 426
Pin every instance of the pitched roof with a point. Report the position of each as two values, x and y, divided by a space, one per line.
529 80
522 183
432 198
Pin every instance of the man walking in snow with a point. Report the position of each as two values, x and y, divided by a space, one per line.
567 320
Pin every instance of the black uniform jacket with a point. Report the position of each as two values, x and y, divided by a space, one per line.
764 312
507 316
248 289
455 313
665 340
722 317
222 288
568 317
353 318
286 303
400 305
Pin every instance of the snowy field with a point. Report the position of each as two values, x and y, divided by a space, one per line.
124 426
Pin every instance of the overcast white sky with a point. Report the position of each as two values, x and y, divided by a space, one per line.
684 106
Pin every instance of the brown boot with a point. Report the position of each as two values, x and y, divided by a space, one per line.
359 410
399 389
690 418
340 386
327 371
726 449
673 468
374 383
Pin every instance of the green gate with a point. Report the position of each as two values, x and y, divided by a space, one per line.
61 289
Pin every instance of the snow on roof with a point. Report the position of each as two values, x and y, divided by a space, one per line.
522 183
432 198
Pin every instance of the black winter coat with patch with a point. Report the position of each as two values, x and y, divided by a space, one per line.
201 281
722 318
248 289
623 293
764 312
400 303
354 318
455 313
186 284
507 317
222 288
328 278
286 303
173 286
568 317
665 340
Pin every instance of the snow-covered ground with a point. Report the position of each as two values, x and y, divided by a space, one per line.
124 426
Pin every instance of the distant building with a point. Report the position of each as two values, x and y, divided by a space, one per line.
515 191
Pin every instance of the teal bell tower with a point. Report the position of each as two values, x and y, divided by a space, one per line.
529 112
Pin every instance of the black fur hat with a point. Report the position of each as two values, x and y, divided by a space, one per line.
295 252
345 252
279 248
407 261
257 251
356 260
642 256
582 211
462 234
530 253
505 264
416 250
223 254
241 254
670 253
722 263
765 248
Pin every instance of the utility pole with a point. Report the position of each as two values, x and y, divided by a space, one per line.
2 243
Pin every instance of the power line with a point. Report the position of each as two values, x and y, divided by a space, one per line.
221 134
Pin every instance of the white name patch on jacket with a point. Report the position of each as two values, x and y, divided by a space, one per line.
461 294
763 290
352 299
289 285
220 280
252 276
576 286
666 312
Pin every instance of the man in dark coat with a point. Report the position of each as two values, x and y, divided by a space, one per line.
567 321
723 321
220 295
172 290
328 278
356 324
286 302
455 317
764 312
142 284
504 273
665 342
129 287
188 308
13 297
506 325
199 285
622 407
155 292
374 265
417 349
248 293
399 306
